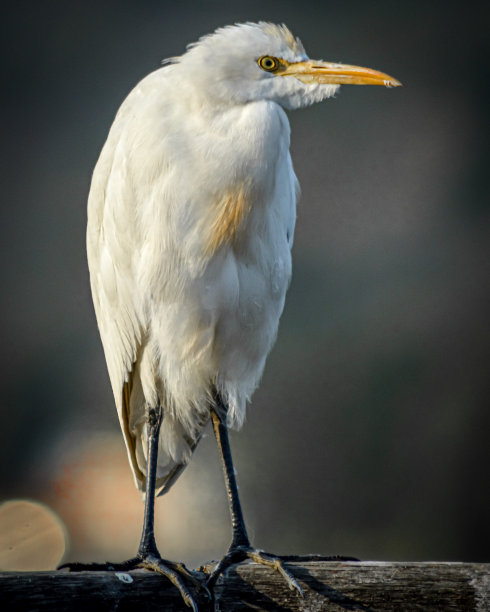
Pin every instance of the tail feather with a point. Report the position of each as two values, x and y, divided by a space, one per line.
175 446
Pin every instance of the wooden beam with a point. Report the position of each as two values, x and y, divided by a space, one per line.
328 585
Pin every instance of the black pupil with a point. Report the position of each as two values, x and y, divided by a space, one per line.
269 63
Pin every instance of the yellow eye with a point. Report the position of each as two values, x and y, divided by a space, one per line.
268 63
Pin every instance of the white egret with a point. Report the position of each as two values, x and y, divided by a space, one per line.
191 218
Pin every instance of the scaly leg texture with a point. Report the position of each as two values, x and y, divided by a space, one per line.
240 549
148 556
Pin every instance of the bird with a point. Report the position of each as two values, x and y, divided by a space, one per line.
191 217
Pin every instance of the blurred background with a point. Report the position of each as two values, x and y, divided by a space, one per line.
369 435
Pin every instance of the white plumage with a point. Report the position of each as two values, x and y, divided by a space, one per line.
190 225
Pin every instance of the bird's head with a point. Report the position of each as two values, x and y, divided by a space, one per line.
262 61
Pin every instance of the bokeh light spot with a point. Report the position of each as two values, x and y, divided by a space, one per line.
32 536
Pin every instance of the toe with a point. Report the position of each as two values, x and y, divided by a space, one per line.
276 563
156 565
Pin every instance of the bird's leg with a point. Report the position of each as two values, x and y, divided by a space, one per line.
148 556
240 536
240 548
148 546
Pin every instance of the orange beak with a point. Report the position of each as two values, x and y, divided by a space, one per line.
312 71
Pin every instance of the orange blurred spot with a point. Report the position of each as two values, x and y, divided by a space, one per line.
95 494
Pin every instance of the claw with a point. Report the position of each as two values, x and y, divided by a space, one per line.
157 565
276 563
239 554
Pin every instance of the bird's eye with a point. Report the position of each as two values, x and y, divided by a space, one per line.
268 63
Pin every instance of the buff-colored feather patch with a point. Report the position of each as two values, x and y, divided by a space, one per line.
229 214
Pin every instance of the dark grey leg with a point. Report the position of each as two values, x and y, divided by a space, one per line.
240 537
147 543
148 556
240 548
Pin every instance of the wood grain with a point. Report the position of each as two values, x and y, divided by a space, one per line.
328 585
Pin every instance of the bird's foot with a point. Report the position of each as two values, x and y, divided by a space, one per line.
175 572
237 554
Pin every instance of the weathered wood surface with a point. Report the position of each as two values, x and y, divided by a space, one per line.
328 585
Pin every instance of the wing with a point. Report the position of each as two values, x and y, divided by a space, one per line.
123 190
111 249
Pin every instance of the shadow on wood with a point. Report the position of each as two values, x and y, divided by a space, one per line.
328 585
